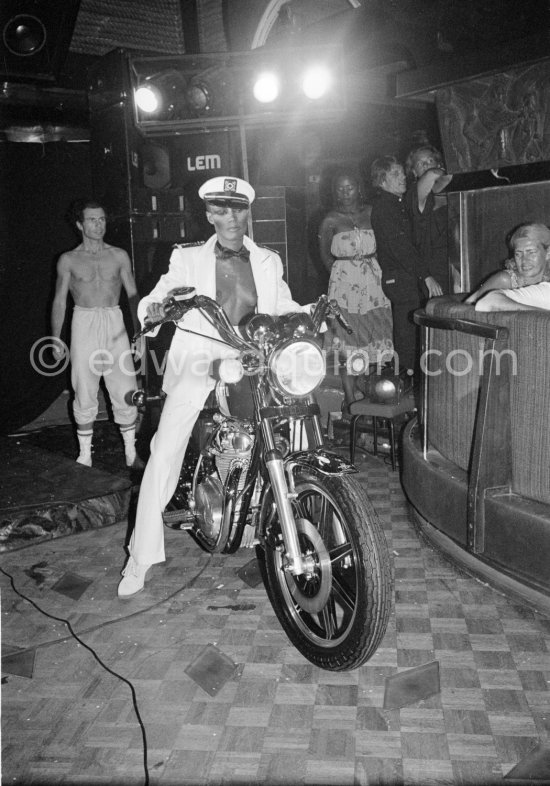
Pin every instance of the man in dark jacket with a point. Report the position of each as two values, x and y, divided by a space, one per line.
406 279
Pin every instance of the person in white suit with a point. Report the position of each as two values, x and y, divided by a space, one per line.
243 278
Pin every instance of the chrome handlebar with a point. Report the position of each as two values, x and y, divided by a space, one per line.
180 301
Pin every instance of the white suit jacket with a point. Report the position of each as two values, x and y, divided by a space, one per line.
186 373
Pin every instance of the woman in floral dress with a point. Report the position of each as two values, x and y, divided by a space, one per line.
348 250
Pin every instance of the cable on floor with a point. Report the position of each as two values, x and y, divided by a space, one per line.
76 636
116 621
98 659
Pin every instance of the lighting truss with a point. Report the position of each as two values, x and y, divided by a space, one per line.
217 90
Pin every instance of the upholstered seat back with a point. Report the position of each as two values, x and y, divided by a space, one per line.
530 404
453 383
453 393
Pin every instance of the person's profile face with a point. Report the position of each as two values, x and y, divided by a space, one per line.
531 258
394 181
230 222
346 190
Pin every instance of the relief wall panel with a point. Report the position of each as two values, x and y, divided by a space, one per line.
496 121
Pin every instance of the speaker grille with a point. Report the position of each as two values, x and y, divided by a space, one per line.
103 25
35 37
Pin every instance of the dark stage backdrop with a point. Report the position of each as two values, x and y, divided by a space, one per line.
38 183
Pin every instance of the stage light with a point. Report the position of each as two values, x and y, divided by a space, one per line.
266 87
198 96
316 82
161 94
148 98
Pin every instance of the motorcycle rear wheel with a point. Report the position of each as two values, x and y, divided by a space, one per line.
337 615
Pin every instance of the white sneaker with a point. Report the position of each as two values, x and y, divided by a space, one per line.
135 463
135 577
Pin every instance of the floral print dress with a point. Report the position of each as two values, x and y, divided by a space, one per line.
356 284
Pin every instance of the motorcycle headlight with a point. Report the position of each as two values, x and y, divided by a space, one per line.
297 367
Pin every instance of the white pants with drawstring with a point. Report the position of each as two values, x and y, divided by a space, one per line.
100 347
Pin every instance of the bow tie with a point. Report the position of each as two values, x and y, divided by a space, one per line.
228 253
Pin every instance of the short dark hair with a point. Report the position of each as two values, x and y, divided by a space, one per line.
341 173
380 169
77 208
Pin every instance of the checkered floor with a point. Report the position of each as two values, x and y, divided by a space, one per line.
471 667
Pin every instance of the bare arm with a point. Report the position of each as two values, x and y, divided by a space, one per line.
499 280
59 305
499 301
432 180
326 233
129 284
442 182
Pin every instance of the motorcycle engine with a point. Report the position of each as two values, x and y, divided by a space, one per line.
230 446
231 442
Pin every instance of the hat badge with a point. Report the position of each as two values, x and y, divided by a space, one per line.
230 184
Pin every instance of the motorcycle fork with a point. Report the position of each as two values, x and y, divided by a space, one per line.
283 494
317 430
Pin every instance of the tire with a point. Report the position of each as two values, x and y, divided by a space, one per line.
337 616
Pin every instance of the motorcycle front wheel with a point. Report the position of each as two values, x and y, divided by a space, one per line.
337 613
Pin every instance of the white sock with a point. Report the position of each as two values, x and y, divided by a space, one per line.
129 437
85 443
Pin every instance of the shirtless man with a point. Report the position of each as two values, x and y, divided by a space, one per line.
94 274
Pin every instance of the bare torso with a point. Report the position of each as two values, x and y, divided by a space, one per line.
235 289
95 278
94 273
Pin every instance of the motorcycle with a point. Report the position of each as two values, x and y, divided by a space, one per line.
263 476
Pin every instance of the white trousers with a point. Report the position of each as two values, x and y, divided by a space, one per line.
160 479
100 347
179 414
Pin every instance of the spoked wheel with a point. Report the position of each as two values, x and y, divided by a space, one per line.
337 612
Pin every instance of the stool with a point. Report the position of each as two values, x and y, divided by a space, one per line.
366 408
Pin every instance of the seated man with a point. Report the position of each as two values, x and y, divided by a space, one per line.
530 244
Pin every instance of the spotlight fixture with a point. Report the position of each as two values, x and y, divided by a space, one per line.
316 82
148 98
198 96
266 87
161 94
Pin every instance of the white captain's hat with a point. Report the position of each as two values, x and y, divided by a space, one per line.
227 191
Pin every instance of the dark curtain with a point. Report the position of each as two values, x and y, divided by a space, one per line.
38 183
